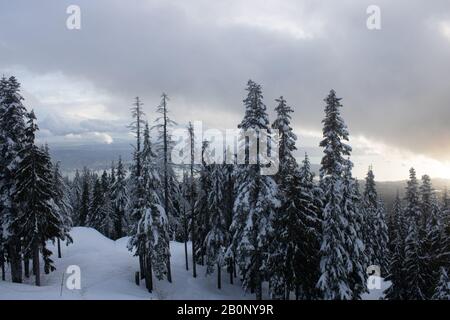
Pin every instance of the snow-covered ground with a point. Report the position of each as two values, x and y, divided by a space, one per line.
107 272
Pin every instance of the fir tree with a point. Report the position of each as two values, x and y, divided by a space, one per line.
217 237
12 135
120 199
256 199
85 198
163 150
335 281
38 221
293 260
430 236
376 227
155 222
62 202
415 281
202 220
442 290
359 261
397 272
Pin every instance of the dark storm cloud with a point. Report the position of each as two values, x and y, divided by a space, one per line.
394 81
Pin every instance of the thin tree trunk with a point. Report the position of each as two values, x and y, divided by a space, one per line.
59 249
149 274
2 258
169 269
26 266
219 277
287 293
194 267
15 260
141 266
36 266
186 249
230 269
166 182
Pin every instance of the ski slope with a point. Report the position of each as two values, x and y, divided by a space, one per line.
107 273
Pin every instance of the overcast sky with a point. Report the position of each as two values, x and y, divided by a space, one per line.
394 82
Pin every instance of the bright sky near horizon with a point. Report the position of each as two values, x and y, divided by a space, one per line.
394 81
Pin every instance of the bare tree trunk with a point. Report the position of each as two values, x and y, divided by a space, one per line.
219 277
2 260
15 260
186 246
194 266
36 266
59 249
149 274
230 270
141 266
26 265
166 181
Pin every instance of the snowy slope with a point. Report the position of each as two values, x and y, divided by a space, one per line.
107 272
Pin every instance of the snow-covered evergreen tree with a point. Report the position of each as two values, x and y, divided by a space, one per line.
415 278
120 198
445 254
75 186
38 220
62 202
85 204
155 222
98 210
376 227
359 260
335 281
163 150
292 261
442 290
202 209
12 135
217 237
430 236
256 199
397 272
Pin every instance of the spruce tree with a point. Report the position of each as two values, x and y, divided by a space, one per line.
163 150
120 199
376 227
202 210
292 260
97 208
442 290
155 222
256 199
430 236
85 204
62 202
38 221
359 261
12 135
415 278
335 281
217 237
75 186
397 270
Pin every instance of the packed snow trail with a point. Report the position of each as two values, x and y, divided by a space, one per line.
107 272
